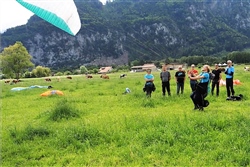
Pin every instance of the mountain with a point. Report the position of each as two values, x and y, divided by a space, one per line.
126 30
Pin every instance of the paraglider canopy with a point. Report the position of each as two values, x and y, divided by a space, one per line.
61 13
52 92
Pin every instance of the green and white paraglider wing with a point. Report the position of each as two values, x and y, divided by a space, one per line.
61 13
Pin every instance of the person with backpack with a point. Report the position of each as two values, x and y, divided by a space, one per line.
198 96
229 71
216 79
165 78
149 86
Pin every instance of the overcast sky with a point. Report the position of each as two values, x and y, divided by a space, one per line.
13 14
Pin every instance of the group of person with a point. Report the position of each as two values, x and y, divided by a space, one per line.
199 82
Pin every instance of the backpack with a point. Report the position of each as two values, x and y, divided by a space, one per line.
235 98
211 76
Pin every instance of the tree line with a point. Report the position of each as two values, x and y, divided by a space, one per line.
16 62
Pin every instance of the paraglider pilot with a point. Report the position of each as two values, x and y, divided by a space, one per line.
198 96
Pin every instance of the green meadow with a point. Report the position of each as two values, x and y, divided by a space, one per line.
95 124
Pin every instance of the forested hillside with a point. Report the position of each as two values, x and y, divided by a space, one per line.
127 30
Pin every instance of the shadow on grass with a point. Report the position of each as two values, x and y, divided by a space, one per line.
29 133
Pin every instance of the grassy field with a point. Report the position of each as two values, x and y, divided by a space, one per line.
94 124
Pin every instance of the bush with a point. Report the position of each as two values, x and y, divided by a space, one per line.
2 76
76 72
83 69
40 71
59 74
67 73
27 74
63 110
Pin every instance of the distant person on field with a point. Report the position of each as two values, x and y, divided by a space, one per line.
229 71
193 72
165 78
216 80
149 85
180 77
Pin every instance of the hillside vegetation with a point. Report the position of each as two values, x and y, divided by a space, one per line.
94 124
122 31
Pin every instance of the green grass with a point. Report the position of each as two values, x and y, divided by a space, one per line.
94 124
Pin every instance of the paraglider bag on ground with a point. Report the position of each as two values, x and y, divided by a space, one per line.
149 85
235 98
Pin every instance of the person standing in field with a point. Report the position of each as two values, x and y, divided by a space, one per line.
193 72
198 96
165 78
180 77
229 71
149 85
216 80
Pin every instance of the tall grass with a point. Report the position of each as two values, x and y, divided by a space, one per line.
95 124
29 133
63 110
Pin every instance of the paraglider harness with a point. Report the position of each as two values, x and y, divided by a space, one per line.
203 91
235 98
149 87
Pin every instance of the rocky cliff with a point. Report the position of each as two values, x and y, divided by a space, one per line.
121 31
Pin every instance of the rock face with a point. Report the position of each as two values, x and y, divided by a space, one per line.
119 32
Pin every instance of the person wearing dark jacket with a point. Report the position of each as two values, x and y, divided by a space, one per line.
180 77
229 71
165 78
216 80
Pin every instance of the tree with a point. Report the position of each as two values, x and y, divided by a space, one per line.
167 60
83 69
40 71
67 73
135 63
15 59
239 57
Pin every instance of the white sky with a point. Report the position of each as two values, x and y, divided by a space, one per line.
13 14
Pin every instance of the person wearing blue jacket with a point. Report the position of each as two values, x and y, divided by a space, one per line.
229 71
149 85
198 96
